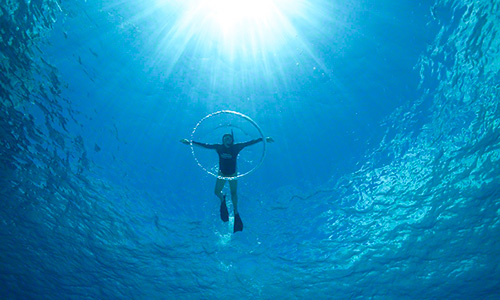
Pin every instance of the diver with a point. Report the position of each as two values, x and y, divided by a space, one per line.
228 153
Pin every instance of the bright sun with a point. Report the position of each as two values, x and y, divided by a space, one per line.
233 31
231 14
255 24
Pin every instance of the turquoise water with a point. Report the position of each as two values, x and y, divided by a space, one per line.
382 183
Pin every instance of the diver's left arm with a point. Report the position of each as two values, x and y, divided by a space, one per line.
252 142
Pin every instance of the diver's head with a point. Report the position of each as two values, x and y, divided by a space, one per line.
227 139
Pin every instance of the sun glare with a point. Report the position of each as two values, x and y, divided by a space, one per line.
237 22
231 14
255 24
234 33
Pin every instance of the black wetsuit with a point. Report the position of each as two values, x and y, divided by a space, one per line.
228 155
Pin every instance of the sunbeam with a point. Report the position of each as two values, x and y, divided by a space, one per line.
242 34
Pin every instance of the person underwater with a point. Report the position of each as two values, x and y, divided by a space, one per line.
228 153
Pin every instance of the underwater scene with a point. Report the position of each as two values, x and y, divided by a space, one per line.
356 145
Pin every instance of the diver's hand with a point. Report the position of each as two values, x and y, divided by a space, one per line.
269 139
185 141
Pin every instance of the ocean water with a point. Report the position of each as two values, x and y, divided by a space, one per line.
383 181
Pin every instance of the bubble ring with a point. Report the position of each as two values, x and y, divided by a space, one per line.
247 118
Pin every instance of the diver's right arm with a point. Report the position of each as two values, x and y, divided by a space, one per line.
207 146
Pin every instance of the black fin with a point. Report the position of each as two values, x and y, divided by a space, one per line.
224 215
238 224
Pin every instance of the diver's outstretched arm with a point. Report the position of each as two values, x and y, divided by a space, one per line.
250 143
207 146
253 142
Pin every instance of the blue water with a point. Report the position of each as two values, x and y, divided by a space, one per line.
383 181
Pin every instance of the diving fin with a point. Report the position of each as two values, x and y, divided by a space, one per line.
238 225
224 215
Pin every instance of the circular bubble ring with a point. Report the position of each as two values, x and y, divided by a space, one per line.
240 115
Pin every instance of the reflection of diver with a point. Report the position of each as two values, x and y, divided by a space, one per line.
228 152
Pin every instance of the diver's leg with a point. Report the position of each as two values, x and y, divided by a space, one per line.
219 185
238 224
233 186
